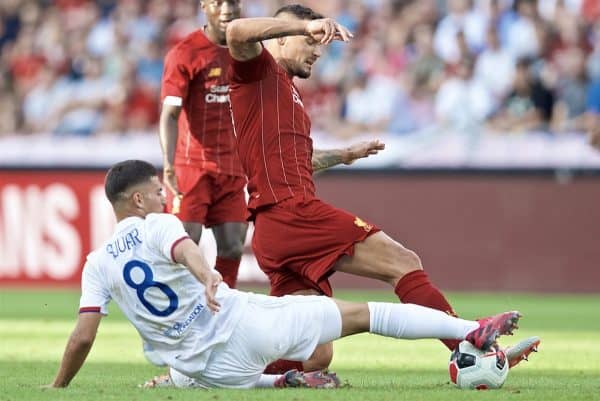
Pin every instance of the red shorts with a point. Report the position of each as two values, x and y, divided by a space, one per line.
297 242
208 198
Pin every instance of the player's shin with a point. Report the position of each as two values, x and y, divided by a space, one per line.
411 321
416 288
229 270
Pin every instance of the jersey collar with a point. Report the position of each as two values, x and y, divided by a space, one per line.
126 222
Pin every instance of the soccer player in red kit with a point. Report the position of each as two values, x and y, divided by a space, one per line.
299 241
202 171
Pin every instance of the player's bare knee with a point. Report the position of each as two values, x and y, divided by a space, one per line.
230 250
194 230
400 262
412 261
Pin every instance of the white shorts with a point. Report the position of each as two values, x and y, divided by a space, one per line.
272 328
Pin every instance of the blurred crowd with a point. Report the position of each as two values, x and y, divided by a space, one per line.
83 67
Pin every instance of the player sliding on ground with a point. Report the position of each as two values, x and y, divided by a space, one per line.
218 336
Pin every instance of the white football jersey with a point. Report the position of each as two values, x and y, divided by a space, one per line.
162 299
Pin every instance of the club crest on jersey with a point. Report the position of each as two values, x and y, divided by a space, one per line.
360 223
296 97
214 72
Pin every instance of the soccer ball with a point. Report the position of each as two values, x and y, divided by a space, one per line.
472 368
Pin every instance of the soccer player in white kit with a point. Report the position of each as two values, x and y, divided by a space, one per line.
217 336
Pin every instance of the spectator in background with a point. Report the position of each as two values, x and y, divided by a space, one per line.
10 23
552 9
141 105
462 17
568 36
9 110
593 62
571 93
323 102
413 107
150 65
594 138
39 103
368 103
593 113
426 66
529 105
519 29
185 22
591 10
495 67
389 68
81 109
463 102
25 61
50 39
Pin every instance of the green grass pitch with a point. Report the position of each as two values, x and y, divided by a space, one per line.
35 324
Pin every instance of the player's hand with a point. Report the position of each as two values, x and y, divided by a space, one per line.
326 30
211 284
363 149
170 181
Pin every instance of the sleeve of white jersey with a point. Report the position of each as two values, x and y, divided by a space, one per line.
165 231
94 295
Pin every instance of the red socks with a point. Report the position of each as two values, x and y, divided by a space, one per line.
228 269
415 288
281 366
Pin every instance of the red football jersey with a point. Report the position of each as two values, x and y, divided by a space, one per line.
272 131
194 77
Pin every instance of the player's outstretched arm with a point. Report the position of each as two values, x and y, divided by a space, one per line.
188 254
168 132
245 34
78 347
323 159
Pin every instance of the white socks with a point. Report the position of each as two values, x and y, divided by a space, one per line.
266 381
411 321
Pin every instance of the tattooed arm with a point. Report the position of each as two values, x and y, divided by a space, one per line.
323 159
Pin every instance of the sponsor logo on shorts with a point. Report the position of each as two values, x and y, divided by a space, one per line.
360 223
180 327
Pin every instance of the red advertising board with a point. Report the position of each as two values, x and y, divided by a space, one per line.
529 232
49 221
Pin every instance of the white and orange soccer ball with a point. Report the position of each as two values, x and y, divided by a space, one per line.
472 368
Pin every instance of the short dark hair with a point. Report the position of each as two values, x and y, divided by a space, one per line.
299 11
124 175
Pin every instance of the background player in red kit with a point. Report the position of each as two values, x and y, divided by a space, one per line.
299 240
202 172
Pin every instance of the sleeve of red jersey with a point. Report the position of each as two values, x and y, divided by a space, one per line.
252 70
177 75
